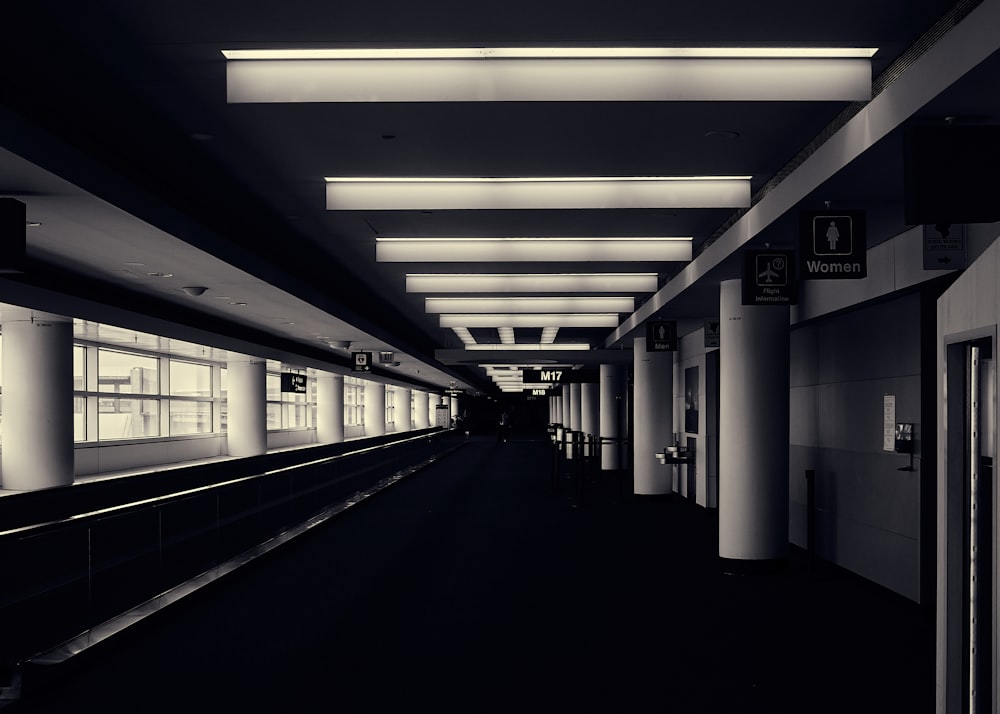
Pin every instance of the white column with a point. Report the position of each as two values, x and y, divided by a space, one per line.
247 405
653 418
612 415
374 408
575 413
557 409
590 408
329 408
452 409
421 419
404 409
566 406
37 399
753 427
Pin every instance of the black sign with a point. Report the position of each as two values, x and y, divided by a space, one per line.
661 335
558 375
292 382
712 332
769 277
832 245
362 361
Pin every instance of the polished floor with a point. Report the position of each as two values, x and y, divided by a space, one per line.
475 586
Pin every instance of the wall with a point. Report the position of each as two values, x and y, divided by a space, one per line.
691 353
867 510
111 456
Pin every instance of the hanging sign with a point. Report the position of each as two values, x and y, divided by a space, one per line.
661 335
559 375
712 332
362 361
832 245
769 277
293 382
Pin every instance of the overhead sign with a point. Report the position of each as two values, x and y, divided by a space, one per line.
560 376
661 335
832 245
293 382
944 248
362 361
712 332
769 277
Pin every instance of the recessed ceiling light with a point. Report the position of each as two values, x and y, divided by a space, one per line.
549 74
160 275
421 193
240 304
507 250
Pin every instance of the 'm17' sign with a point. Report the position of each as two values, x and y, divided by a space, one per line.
559 376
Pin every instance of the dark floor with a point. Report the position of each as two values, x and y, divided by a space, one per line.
472 586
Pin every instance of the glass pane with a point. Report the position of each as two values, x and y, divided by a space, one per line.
79 367
273 388
126 373
190 417
79 418
273 416
127 418
294 416
190 380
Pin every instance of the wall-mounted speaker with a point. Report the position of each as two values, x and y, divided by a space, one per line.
951 174
13 235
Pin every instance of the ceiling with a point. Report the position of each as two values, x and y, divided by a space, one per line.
116 133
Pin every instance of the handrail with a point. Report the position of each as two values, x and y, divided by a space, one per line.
146 503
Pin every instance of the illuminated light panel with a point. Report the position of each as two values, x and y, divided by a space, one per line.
549 335
494 305
463 334
547 321
510 250
420 193
506 335
525 74
530 347
530 282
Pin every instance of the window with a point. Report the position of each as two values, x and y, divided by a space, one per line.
354 407
131 374
288 410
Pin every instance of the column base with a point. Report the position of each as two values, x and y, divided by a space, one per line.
765 566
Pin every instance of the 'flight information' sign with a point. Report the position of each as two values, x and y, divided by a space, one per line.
769 277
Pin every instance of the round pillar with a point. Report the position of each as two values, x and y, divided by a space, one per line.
329 408
374 408
653 418
404 409
420 411
753 428
246 433
37 399
612 419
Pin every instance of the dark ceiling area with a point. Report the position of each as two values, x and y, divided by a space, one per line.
118 136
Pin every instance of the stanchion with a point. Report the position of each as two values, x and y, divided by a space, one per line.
811 518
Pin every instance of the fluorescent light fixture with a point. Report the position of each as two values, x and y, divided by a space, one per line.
530 282
530 347
464 335
491 305
506 335
418 193
549 334
543 320
509 250
549 74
